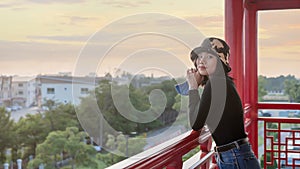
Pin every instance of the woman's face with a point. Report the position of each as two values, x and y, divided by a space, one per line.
206 63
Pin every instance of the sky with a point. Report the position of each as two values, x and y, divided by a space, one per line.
101 36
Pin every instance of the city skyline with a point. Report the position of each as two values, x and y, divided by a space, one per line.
46 37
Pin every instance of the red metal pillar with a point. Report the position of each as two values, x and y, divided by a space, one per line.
251 81
234 12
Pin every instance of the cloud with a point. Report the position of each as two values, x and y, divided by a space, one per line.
212 25
276 19
125 3
56 1
75 19
281 37
19 51
11 5
21 5
60 38
32 57
279 28
206 21
6 5
79 20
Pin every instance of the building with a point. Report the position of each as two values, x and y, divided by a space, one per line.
21 90
61 88
5 90
276 96
64 89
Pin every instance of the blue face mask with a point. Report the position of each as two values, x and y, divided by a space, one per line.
182 88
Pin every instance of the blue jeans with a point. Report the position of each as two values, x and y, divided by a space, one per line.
241 157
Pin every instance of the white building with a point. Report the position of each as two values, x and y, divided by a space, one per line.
32 93
21 91
64 89
5 90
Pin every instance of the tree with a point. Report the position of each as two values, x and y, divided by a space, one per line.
107 105
31 130
261 87
6 137
60 116
109 110
133 145
181 103
276 83
169 115
50 150
167 87
68 142
274 166
123 145
292 88
80 153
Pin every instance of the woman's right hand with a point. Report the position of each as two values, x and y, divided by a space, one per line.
194 78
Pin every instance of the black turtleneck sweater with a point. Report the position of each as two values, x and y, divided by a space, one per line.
220 107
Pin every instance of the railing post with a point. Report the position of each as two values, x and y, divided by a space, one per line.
206 148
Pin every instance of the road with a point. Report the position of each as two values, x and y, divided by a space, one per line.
16 115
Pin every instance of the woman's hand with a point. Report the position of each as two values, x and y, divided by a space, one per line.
194 78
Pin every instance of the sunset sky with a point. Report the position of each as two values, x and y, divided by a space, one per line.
51 36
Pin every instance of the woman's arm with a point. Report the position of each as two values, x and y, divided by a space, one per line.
198 109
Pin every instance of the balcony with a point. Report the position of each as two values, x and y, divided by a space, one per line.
281 150
279 145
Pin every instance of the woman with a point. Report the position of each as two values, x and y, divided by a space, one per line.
220 106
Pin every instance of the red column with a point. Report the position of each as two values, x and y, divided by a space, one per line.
234 12
251 79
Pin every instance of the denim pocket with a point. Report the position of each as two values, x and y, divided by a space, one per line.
226 162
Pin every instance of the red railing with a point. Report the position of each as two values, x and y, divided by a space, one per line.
248 119
281 144
170 156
